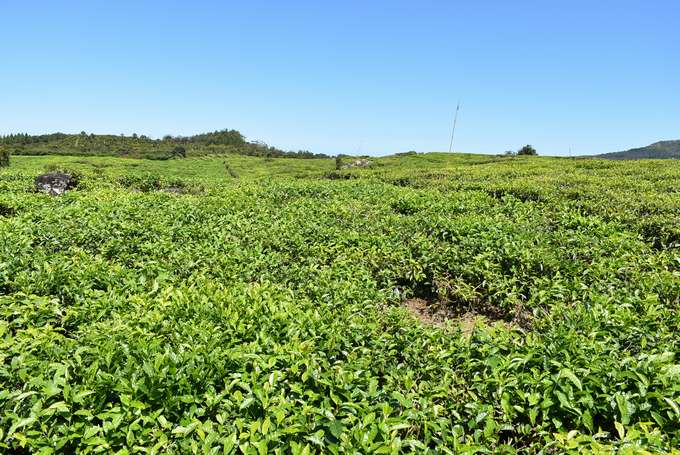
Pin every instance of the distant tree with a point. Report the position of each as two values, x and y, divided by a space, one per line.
179 152
4 158
222 137
338 163
509 153
527 150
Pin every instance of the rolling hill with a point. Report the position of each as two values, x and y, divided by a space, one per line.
659 150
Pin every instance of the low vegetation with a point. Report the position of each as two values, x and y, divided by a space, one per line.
282 311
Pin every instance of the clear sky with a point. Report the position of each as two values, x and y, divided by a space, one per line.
374 77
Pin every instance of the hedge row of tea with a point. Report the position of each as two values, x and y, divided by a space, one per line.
265 312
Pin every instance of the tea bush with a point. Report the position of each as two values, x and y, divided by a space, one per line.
265 314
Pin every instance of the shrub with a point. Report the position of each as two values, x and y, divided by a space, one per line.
230 170
179 152
4 158
527 150
145 182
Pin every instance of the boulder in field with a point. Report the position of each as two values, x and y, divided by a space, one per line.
54 183
358 163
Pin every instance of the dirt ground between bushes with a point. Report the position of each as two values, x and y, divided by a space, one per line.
437 314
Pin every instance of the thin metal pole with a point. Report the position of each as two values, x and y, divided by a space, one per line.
453 130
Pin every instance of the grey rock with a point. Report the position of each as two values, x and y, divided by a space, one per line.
358 163
54 183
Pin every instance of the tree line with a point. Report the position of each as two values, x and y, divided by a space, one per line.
140 146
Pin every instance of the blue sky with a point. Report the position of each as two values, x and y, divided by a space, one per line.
373 77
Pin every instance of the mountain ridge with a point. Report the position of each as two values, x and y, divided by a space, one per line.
669 149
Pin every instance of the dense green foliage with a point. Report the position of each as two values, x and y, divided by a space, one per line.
179 152
527 150
657 150
215 143
4 158
264 312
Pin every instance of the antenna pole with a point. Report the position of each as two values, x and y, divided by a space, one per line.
453 130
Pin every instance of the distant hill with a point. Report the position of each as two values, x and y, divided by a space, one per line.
135 146
659 150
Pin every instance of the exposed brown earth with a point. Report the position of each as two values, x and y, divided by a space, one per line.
438 313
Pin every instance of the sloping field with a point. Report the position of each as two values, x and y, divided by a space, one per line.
430 303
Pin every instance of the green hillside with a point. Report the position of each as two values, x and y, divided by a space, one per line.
659 150
437 303
83 144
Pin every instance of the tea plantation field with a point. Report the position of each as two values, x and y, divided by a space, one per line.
249 305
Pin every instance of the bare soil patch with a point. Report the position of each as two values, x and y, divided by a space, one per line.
437 313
